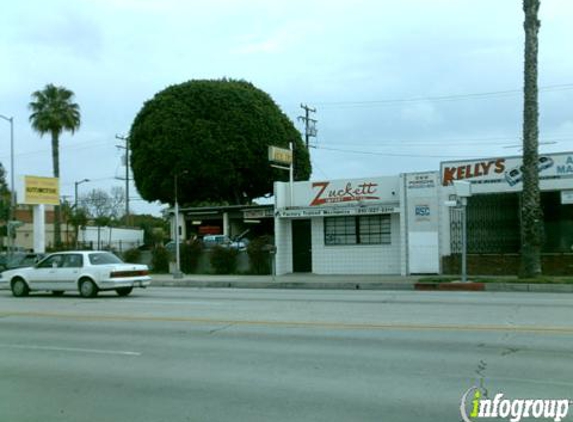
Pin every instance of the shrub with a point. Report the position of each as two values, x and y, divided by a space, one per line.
132 255
190 253
160 260
259 255
224 260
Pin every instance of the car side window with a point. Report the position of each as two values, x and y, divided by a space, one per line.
51 262
72 261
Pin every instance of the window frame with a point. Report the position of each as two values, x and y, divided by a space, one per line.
356 234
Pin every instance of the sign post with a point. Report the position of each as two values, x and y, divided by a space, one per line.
463 192
40 191
286 158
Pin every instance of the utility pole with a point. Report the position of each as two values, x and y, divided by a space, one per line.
12 213
309 124
126 147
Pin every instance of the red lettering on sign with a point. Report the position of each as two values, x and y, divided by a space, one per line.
470 171
364 191
317 199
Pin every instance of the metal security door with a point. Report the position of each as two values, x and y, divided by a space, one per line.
301 246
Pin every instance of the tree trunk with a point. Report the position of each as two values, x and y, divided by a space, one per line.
57 209
531 212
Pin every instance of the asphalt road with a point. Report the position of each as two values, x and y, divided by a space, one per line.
167 354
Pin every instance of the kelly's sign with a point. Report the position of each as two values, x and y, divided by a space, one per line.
327 193
471 170
506 171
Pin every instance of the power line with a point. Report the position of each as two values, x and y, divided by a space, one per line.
314 164
389 154
84 145
387 143
441 98
101 179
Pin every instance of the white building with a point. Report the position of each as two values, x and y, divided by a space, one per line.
401 225
110 237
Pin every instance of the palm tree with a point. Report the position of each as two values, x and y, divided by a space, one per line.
531 212
53 111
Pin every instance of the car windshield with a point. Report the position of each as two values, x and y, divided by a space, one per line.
103 258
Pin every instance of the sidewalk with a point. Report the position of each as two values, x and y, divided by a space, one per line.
345 282
290 281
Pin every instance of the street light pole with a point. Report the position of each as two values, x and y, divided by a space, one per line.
464 206
12 193
76 232
76 191
463 192
177 273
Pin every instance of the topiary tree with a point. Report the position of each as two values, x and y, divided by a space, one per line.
213 135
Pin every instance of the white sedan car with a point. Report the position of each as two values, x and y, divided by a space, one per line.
85 271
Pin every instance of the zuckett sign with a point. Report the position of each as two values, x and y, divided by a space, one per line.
361 192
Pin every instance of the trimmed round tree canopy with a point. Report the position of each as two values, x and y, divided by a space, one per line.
213 137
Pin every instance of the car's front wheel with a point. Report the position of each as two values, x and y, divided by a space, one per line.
123 291
19 287
88 288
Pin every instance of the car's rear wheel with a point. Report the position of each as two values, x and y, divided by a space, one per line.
19 287
88 288
58 292
123 291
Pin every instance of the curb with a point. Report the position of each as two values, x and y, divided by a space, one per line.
284 285
428 287
457 287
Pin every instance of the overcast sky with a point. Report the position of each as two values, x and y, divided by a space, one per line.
399 86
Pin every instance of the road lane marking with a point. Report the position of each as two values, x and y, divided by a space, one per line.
300 324
69 349
171 302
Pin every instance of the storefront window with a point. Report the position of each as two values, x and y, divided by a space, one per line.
363 230
340 231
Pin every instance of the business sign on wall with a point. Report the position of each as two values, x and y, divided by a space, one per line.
337 192
505 171
338 211
260 213
421 181
422 201
40 190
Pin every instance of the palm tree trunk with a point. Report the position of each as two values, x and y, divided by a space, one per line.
57 209
531 212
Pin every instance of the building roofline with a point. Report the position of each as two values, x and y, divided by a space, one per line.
221 208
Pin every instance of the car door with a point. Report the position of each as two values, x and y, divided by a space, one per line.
44 276
70 271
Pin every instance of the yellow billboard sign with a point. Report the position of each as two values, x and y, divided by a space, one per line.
41 190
